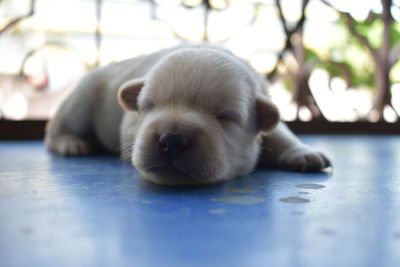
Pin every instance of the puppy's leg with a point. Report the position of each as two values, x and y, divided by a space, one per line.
69 132
282 149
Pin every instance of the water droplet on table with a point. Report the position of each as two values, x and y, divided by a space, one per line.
396 235
241 190
328 232
216 211
240 200
297 213
311 186
295 200
304 193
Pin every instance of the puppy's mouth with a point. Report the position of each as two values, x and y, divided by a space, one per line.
169 170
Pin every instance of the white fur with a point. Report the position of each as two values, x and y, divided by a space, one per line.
185 90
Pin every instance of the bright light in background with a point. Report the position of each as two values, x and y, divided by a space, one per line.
265 35
219 4
396 97
339 104
305 114
225 23
358 9
320 30
55 16
15 107
186 23
291 10
168 2
129 30
263 62
283 99
389 114
192 3
61 64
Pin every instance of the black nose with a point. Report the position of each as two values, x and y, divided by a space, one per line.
171 145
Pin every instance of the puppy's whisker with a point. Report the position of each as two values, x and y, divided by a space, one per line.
125 145
121 147
125 150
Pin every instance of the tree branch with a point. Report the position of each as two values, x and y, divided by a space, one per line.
15 21
362 39
302 17
345 71
387 25
350 26
288 34
281 17
299 24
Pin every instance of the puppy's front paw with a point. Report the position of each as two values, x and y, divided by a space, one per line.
68 145
304 159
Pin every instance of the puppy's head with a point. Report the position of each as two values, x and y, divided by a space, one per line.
198 119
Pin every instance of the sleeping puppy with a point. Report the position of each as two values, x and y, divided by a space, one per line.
182 116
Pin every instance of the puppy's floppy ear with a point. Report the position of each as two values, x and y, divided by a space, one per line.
267 114
128 94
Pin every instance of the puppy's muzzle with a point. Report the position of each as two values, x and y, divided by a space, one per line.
172 145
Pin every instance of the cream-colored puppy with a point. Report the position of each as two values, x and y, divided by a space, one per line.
190 115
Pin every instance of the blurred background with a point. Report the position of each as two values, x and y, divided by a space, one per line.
326 60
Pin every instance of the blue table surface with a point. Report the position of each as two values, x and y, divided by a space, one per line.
97 211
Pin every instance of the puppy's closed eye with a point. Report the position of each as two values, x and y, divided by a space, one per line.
227 116
146 106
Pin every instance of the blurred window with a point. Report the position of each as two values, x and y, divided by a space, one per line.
318 55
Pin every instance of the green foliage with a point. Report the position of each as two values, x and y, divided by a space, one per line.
348 56
310 55
371 28
288 82
395 33
395 73
358 77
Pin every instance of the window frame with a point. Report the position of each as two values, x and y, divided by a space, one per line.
35 129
